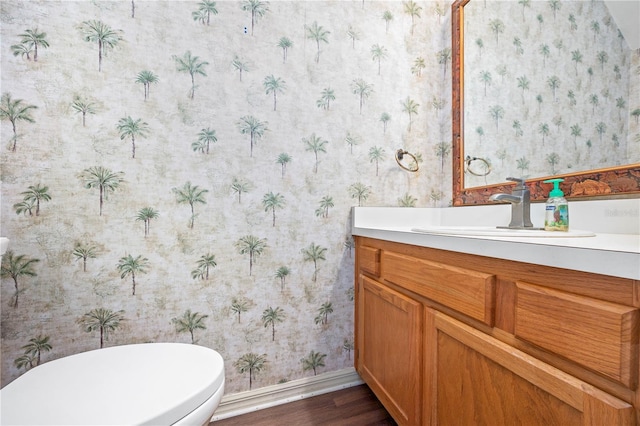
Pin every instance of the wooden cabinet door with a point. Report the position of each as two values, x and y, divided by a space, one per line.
389 348
478 380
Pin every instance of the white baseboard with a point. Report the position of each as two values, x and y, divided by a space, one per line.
270 396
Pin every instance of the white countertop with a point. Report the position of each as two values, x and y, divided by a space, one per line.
607 253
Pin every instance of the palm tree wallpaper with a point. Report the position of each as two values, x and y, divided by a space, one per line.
184 171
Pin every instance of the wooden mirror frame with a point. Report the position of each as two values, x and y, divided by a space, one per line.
611 182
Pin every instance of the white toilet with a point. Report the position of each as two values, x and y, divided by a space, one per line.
144 384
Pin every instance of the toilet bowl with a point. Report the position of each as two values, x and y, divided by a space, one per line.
142 384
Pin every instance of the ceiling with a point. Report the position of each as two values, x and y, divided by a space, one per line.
626 13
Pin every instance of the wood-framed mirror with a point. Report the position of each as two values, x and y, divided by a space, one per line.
605 182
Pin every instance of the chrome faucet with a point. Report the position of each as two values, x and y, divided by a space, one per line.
520 199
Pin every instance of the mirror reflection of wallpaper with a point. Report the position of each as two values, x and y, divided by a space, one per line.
546 88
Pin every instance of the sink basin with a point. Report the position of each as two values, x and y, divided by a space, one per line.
492 231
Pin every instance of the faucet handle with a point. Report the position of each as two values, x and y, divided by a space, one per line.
519 182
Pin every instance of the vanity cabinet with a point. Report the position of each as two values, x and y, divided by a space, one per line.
446 338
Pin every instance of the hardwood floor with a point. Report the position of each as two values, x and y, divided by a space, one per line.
354 406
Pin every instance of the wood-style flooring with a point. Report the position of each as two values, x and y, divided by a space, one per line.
354 406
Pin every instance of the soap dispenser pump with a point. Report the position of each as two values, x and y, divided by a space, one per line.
557 209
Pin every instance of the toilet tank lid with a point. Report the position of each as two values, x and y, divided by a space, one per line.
153 383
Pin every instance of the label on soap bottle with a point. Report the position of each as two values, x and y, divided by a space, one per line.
556 217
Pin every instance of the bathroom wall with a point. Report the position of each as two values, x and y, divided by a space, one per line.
147 204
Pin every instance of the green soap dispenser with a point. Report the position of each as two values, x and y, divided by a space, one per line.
557 209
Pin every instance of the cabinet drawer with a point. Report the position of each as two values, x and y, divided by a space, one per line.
369 260
599 335
469 292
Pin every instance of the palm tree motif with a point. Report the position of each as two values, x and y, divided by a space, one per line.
316 144
35 194
323 313
621 104
523 83
83 253
376 154
444 56
497 27
206 8
349 244
190 195
205 138
411 108
275 86
385 118
594 101
360 191
545 52
282 274
104 179
576 131
326 97
145 78
272 201
378 53
442 151
362 89
252 245
14 267
553 159
104 320
33 39
190 322
348 346
353 35
314 253
14 111
25 207
601 129
413 10
238 306
313 361
603 58
83 107
204 264
283 159
239 66
435 196
325 203
36 346
257 8
553 82
254 127
317 33
272 316
407 200
129 265
576 57
352 141
192 65
98 32
22 50
145 215
496 112
485 78
239 186
128 127
285 44
522 164
252 363
418 65
387 17
543 129
26 361
517 127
